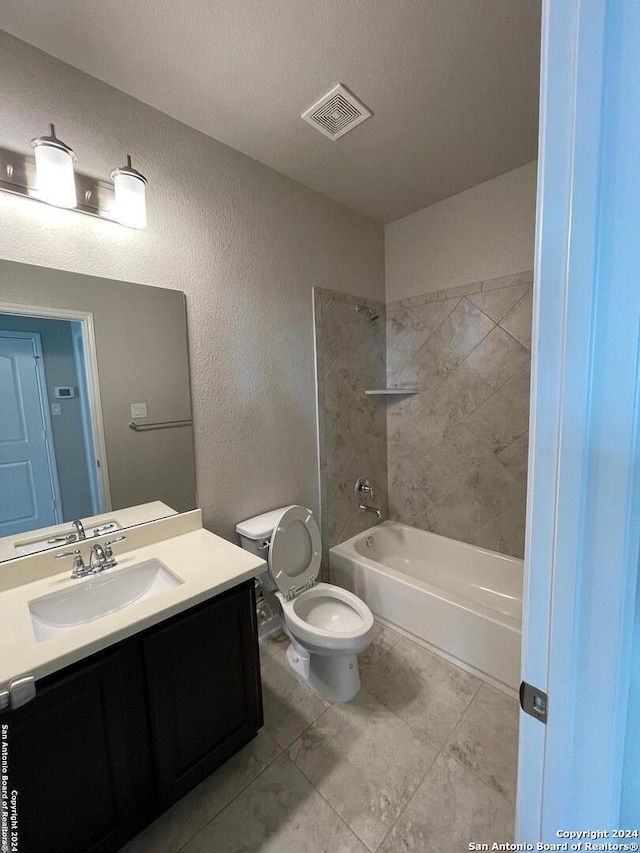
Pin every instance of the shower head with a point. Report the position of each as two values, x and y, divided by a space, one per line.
365 309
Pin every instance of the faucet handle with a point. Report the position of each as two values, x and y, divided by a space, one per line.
79 568
364 487
108 551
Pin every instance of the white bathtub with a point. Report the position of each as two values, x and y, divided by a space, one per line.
463 602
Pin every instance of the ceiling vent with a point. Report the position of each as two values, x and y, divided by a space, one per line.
336 113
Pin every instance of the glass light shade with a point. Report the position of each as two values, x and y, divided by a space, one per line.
130 206
55 179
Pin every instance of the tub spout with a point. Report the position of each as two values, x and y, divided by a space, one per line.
373 509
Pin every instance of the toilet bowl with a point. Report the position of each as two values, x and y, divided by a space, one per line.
328 626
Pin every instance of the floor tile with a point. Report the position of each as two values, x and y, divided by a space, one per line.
486 740
451 808
280 812
384 639
289 706
175 827
423 689
274 644
366 762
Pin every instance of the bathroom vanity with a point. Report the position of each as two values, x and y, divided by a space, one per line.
132 709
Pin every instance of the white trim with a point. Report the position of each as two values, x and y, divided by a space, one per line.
43 399
93 381
77 339
581 558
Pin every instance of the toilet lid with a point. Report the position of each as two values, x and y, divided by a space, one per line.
295 551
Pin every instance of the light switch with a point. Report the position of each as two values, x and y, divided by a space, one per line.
56 409
138 410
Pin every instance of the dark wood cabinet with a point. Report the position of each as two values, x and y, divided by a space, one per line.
112 741
203 679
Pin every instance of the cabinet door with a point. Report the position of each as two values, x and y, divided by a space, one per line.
76 757
203 678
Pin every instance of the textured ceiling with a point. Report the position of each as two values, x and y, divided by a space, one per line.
453 84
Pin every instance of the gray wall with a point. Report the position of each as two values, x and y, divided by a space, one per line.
350 353
457 460
141 346
68 441
243 242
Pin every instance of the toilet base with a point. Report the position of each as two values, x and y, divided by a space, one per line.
335 678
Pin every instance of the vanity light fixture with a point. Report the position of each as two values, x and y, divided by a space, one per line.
130 203
55 179
50 177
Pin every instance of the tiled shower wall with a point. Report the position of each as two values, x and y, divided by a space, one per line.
457 450
350 358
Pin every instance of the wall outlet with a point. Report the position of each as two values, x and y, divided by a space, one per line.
56 409
138 410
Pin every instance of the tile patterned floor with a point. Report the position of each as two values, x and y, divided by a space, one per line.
422 761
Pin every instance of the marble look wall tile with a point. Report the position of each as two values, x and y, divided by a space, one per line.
433 314
366 762
433 362
453 460
497 303
488 493
498 357
505 534
462 392
496 424
508 281
449 789
516 391
280 811
486 740
440 438
518 321
465 327
514 458
352 427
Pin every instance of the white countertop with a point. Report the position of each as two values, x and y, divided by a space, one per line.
206 563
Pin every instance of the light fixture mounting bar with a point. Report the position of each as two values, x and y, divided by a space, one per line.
18 176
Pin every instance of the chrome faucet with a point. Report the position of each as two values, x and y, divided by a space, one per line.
100 558
363 488
372 509
80 534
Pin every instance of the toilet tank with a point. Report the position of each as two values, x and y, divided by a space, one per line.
255 532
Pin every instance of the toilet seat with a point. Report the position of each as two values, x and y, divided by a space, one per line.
345 623
295 551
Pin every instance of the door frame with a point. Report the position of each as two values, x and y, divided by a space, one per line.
85 318
77 339
581 556
43 400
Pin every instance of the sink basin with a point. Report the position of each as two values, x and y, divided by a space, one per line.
57 539
98 596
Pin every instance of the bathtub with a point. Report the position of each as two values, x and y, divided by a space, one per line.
462 602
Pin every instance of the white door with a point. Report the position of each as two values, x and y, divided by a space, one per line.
27 497
583 534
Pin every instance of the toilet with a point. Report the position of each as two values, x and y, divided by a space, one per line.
327 625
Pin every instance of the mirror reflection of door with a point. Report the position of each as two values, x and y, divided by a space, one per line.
47 458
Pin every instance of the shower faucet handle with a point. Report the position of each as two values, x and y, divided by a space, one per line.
364 488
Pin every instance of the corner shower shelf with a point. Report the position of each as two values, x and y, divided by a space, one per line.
389 392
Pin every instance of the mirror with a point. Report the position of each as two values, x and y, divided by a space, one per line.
95 406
